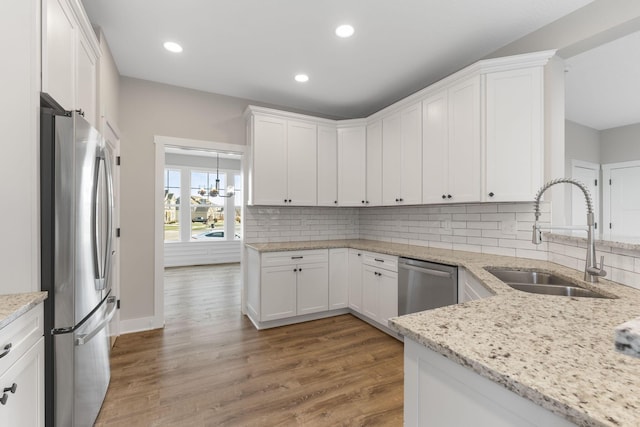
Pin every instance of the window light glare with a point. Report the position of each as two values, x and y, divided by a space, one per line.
344 31
301 78
173 47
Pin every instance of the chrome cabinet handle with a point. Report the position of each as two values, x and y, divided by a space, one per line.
7 349
297 257
378 259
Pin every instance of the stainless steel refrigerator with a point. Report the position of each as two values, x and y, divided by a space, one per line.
76 265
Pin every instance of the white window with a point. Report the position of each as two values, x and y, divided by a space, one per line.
213 214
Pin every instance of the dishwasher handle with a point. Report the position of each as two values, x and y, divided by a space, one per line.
430 271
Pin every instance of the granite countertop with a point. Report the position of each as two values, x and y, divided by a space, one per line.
558 352
13 306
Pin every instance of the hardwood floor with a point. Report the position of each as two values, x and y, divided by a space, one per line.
210 367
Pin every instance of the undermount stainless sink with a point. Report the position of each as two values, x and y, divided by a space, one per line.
540 282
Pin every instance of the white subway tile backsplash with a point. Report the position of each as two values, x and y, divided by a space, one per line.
470 227
483 208
483 225
494 250
505 216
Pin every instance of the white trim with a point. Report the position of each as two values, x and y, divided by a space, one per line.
158 270
606 193
199 144
137 325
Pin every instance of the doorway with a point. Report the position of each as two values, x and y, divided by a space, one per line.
202 204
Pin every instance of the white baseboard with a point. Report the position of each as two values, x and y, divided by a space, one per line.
130 326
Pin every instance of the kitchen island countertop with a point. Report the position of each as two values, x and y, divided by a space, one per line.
556 351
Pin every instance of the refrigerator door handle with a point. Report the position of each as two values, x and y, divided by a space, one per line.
85 338
102 260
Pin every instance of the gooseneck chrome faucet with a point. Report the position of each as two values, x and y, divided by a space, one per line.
591 269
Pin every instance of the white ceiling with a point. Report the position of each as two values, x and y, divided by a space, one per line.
253 48
602 85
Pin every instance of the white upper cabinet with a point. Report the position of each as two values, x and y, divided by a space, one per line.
70 52
475 136
514 134
269 149
58 52
352 165
327 166
402 157
451 144
435 152
301 163
374 164
86 79
284 162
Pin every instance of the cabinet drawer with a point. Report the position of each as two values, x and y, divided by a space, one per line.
274 259
21 334
388 262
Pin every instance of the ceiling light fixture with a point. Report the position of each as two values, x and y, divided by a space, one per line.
173 47
344 31
301 78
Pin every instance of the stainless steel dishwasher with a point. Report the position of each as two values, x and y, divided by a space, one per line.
425 285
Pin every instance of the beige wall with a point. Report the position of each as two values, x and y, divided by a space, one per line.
148 109
621 144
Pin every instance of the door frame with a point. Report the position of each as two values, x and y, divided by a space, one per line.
606 193
161 142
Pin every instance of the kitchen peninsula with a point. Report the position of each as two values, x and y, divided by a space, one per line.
557 352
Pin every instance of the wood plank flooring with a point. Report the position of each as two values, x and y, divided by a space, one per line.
210 367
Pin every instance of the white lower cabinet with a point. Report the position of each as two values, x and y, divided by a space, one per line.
355 280
312 282
470 288
287 284
22 371
436 388
277 293
379 287
338 278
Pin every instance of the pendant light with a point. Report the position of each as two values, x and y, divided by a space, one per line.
215 191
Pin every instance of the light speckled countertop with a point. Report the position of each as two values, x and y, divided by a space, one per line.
556 351
13 306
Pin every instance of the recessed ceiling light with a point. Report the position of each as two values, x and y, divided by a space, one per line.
344 31
173 47
301 78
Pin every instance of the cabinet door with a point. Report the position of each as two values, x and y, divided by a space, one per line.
388 305
86 80
269 178
464 183
301 163
374 164
355 280
278 293
313 288
391 159
370 292
327 166
338 278
514 144
351 166
24 407
435 153
58 52
411 151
